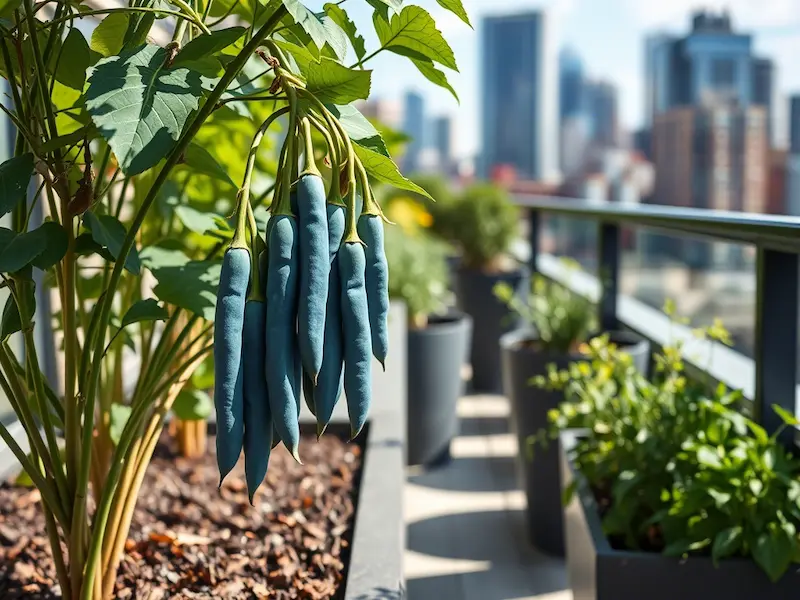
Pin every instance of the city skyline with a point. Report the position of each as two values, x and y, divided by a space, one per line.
582 25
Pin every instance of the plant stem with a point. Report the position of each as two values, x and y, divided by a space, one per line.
126 10
205 111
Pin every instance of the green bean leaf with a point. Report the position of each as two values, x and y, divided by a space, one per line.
413 33
15 173
208 44
193 405
144 310
109 233
383 169
140 106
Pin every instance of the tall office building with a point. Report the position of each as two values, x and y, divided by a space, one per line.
519 92
716 157
573 118
414 128
602 108
443 142
712 63
793 159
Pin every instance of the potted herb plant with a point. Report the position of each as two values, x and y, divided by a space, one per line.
671 491
484 223
437 338
558 322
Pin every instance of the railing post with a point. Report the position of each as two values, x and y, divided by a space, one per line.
608 274
533 237
776 338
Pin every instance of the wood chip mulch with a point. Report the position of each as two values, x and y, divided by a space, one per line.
189 540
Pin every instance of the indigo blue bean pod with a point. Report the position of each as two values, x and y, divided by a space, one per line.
257 414
228 379
356 334
370 230
330 380
308 392
282 283
315 267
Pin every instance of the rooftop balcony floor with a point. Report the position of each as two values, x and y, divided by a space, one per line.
466 530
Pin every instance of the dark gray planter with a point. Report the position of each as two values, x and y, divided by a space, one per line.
491 319
599 572
539 474
435 361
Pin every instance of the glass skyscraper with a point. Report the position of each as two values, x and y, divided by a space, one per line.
519 92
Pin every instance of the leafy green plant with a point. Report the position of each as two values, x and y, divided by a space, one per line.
418 274
483 223
561 318
140 157
676 469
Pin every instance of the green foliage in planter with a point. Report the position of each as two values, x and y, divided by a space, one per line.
418 273
561 318
683 471
483 223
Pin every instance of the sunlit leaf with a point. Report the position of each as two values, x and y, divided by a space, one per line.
333 82
359 128
192 286
310 23
434 75
139 106
383 169
457 8
413 33
109 35
118 418
339 16
193 405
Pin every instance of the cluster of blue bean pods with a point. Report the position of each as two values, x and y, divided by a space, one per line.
303 310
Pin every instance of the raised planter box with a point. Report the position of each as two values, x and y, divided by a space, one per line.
599 572
530 406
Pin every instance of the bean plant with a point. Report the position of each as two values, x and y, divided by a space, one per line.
676 467
151 166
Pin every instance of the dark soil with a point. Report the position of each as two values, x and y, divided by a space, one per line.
189 540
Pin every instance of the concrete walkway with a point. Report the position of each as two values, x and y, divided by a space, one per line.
466 537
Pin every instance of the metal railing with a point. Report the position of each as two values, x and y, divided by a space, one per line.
777 242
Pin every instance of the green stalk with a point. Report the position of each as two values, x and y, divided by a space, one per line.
126 10
189 133
370 205
311 165
282 205
244 192
47 492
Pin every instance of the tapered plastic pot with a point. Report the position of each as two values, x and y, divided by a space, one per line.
491 319
537 466
435 383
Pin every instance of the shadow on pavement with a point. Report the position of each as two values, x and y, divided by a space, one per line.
477 426
473 474
494 537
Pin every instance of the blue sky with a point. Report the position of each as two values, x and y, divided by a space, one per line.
608 34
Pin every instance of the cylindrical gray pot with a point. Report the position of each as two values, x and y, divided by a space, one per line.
491 319
539 474
435 360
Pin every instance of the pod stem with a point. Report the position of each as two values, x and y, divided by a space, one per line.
283 204
256 293
334 191
351 230
240 234
370 206
311 165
